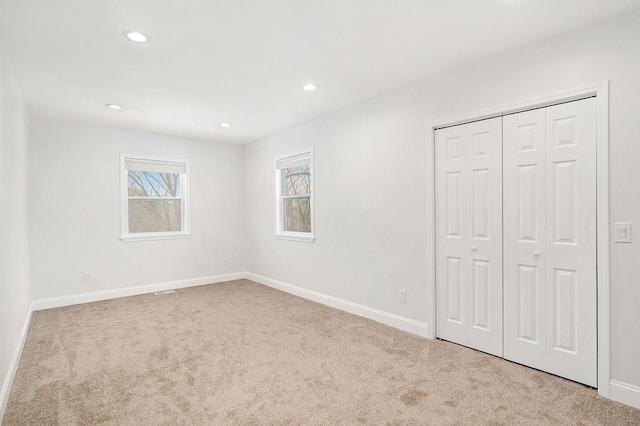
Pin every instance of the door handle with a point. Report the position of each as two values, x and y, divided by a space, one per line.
537 253
473 249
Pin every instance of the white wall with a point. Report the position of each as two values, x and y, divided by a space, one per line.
15 285
75 210
371 178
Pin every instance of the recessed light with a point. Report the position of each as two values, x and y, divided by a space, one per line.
225 125
113 106
310 87
136 36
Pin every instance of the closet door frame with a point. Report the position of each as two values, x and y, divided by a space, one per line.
601 92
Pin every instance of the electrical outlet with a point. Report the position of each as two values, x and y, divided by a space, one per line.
273 266
226 261
88 277
403 296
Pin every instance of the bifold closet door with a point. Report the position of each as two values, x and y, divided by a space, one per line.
524 237
550 240
469 234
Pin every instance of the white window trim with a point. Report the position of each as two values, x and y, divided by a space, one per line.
280 233
125 235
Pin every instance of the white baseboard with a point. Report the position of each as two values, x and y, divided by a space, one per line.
97 296
392 320
13 366
624 393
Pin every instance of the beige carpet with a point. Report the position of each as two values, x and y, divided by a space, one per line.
241 353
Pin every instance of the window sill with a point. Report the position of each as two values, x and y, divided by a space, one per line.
296 237
151 236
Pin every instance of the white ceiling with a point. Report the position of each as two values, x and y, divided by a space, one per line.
245 61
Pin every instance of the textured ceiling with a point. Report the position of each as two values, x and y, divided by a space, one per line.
245 61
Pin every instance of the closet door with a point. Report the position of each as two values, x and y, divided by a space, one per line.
469 234
550 245
524 237
571 241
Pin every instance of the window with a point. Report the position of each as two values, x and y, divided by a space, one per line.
154 198
294 189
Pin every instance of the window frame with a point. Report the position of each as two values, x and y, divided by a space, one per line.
280 232
127 236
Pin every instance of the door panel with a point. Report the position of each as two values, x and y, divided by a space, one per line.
524 237
479 207
528 288
481 294
563 208
527 219
549 249
453 212
484 246
565 311
453 290
451 238
469 234
571 249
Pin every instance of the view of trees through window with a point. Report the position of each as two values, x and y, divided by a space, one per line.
154 201
297 198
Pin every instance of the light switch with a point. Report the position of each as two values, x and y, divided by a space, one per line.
623 232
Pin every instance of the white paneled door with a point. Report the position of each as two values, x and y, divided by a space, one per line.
550 245
524 237
532 177
469 217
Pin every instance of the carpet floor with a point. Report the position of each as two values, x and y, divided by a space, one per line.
240 353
